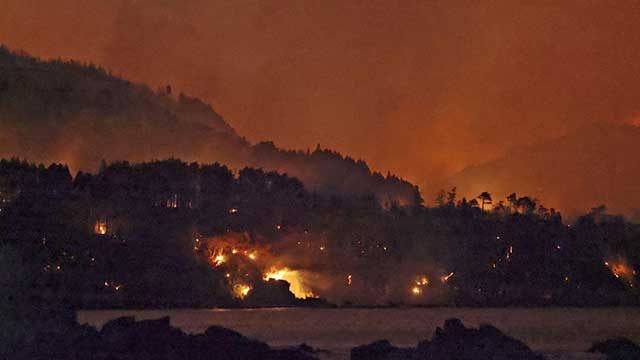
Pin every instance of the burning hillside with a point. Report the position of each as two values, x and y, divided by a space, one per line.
246 263
621 269
171 233
311 269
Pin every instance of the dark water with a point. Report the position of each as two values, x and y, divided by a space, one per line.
561 333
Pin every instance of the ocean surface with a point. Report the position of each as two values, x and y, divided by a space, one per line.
559 333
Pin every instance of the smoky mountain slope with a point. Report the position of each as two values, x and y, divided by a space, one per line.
596 164
79 114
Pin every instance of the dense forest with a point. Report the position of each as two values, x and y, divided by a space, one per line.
170 233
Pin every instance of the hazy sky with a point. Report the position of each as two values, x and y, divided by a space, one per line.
420 88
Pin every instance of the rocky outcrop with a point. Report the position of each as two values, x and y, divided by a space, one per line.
380 350
453 342
127 339
617 349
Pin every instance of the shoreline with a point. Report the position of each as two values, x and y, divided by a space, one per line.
438 338
356 307
547 329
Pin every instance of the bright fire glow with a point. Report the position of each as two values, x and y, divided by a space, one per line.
445 278
241 290
621 270
218 258
100 228
295 280
421 282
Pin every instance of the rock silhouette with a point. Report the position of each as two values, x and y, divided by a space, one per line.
127 339
617 349
453 341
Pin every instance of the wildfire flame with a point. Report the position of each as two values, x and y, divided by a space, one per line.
621 270
446 278
218 257
294 278
100 228
239 257
422 281
241 290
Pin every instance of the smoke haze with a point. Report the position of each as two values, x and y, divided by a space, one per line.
434 87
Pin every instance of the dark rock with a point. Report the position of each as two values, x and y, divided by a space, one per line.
127 339
228 344
452 342
454 327
83 339
219 333
55 341
311 350
617 349
455 341
290 354
306 348
377 350
117 325
271 293
125 335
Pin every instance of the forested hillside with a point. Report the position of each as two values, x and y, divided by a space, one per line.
80 114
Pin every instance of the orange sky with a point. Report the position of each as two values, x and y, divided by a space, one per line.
420 88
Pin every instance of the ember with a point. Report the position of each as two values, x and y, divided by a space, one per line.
446 278
100 228
621 270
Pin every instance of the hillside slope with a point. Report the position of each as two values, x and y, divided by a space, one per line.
594 165
55 111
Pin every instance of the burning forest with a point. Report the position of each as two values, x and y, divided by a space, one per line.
222 162
172 233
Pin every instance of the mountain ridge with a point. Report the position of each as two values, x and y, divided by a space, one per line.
80 114
583 169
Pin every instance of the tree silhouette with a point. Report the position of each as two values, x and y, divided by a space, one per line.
440 198
451 196
513 201
526 204
485 198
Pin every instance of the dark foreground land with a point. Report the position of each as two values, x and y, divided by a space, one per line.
127 339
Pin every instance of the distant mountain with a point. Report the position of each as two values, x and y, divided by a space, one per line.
79 114
596 164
